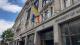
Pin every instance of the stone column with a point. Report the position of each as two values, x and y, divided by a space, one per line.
18 42
57 39
36 39
8 43
25 40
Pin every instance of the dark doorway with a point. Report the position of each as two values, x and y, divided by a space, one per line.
46 36
49 42
22 42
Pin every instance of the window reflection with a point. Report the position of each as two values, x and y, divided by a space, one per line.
67 3
71 33
66 40
65 30
75 40
47 14
44 2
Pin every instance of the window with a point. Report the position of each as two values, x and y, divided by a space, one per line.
28 16
44 2
18 29
67 3
50 12
43 17
47 14
71 33
76 1
46 36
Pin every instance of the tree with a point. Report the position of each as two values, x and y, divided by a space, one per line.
7 35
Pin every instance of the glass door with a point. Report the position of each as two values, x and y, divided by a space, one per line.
47 37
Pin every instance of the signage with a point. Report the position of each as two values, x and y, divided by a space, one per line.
69 14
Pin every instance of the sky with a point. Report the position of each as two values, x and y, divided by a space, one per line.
9 9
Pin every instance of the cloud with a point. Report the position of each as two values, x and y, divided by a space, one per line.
5 25
5 5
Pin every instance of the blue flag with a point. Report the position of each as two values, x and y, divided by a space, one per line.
33 18
36 3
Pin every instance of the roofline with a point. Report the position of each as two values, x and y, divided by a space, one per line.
20 13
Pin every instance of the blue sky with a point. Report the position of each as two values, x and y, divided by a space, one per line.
9 9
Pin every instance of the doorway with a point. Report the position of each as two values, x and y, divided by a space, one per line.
46 36
22 42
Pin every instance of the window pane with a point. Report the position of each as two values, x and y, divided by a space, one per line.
65 29
49 14
78 27
52 11
66 40
47 1
48 35
73 28
44 2
44 17
46 14
67 3
75 40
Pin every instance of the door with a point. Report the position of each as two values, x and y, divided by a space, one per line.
49 42
46 36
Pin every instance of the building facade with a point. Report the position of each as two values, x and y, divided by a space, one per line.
48 22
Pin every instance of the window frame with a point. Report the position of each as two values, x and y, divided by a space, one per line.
70 36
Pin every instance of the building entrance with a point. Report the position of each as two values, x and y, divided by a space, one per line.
46 36
48 42
22 42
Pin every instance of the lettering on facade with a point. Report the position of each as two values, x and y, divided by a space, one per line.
69 14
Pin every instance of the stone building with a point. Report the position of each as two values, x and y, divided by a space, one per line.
56 23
